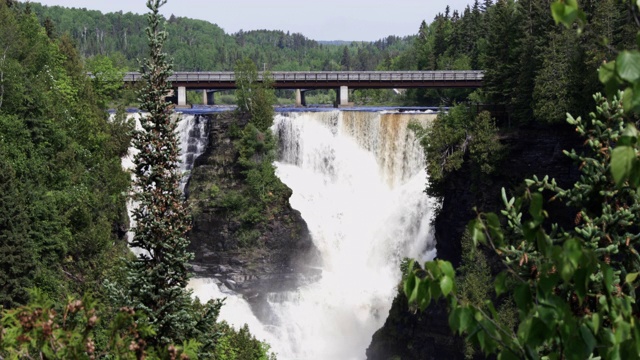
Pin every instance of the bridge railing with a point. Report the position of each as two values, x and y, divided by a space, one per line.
326 76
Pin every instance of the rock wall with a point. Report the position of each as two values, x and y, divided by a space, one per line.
280 253
531 151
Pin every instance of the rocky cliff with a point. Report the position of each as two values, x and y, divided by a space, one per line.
271 252
531 151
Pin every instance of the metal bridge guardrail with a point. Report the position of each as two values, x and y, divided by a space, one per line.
325 76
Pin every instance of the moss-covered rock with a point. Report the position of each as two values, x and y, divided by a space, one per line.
245 233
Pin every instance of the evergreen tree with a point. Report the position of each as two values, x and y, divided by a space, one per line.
16 248
555 91
345 62
159 275
502 55
422 45
533 46
486 5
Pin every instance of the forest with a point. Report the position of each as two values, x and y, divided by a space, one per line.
198 45
563 288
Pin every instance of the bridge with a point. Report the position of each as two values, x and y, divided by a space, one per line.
311 80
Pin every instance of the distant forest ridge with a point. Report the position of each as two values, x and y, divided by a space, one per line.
198 45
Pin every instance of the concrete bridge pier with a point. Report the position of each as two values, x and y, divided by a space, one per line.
301 100
182 96
208 97
343 97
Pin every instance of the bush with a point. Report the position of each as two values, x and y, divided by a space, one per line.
457 137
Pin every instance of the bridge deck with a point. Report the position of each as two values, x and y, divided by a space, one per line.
330 79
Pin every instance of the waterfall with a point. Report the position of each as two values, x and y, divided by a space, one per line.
358 180
194 136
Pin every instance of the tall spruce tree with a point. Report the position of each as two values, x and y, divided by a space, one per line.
159 275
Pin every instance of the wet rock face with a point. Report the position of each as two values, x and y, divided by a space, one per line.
533 151
278 254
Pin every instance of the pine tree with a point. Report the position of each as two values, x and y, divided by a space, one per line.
159 275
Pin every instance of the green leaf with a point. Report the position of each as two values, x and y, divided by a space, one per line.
503 193
466 319
595 322
588 338
607 73
409 284
631 277
581 278
631 99
573 250
500 283
628 65
547 283
608 278
461 319
446 285
522 297
566 12
537 333
447 268
562 14
622 159
493 223
414 292
535 208
423 298
476 230
629 135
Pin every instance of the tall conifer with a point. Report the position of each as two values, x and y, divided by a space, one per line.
159 275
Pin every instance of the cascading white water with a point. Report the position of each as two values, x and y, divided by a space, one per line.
358 181
194 137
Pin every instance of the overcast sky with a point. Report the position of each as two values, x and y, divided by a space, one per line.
366 20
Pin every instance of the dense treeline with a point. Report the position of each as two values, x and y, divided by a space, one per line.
535 68
60 161
198 45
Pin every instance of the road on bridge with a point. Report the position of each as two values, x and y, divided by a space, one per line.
331 79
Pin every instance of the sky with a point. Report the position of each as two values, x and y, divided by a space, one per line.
361 20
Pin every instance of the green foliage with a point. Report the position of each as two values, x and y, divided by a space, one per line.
240 345
536 70
107 78
16 247
76 330
574 288
60 162
567 12
198 45
254 94
475 287
456 137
